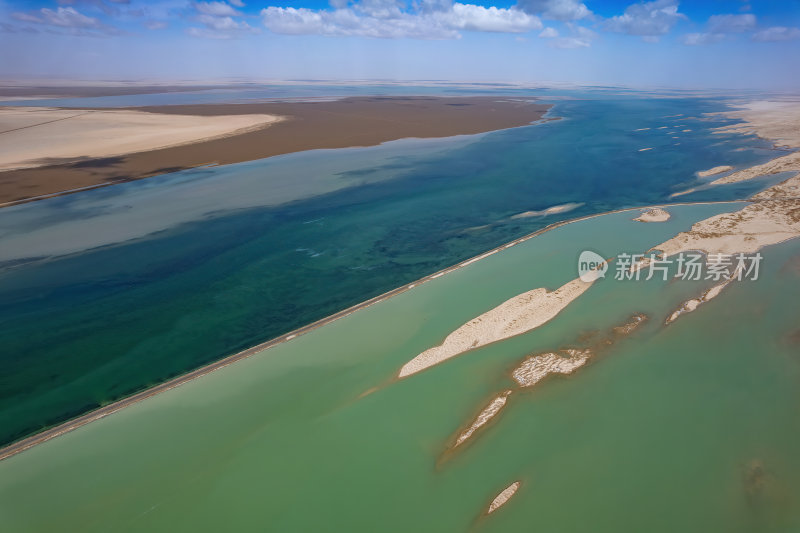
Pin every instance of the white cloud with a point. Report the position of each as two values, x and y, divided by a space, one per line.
777 33
555 9
478 18
731 23
692 39
549 33
216 9
646 18
65 20
66 17
385 19
218 22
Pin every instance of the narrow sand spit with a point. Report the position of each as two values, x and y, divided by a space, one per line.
515 316
644 149
36 136
715 170
485 416
693 303
655 214
502 498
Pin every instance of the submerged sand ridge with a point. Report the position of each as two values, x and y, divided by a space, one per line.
535 368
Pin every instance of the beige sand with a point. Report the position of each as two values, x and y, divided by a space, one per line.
714 171
535 368
787 163
485 416
502 498
747 230
644 149
693 303
788 189
515 316
656 214
36 136
554 210
681 193
777 121
349 122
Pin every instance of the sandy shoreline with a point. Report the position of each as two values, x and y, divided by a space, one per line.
345 123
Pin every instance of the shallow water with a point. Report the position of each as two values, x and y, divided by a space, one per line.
691 427
165 274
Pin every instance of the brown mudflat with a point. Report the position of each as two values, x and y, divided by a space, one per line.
357 121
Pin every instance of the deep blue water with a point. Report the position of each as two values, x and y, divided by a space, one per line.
83 329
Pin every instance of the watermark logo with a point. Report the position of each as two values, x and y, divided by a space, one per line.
591 266
691 266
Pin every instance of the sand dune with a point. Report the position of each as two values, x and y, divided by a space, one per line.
516 316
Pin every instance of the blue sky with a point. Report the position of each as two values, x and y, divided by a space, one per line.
712 44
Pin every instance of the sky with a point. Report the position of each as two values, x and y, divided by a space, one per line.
722 44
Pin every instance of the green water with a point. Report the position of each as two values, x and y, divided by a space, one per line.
655 435
109 291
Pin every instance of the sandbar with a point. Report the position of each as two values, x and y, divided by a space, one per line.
515 316
483 418
716 170
553 210
535 368
656 214
502 498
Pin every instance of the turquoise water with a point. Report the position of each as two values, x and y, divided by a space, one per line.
691 427
106 292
